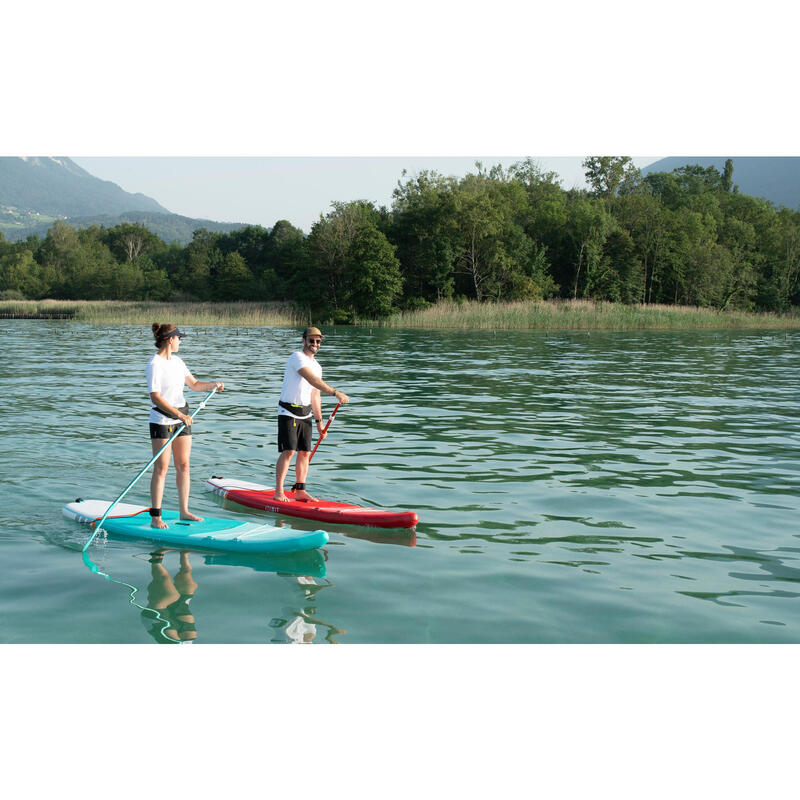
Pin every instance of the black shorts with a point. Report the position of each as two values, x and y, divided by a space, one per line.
165 431
293 433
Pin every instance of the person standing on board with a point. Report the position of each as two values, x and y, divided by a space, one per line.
166 377
300 398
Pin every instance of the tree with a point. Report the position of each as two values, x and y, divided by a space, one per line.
126 282
643 216
588 224
157 285
373 274
127 241
681 187
346 254
604 174
285 255
421 228
19 272
198 266
234 281
479 221
618 276
75 265
727 175
323 283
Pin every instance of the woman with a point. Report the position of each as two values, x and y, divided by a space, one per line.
166 377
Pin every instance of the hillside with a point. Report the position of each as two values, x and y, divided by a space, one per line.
34 192
775 178
58 187
169 227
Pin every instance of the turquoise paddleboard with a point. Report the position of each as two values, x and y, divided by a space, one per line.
212 533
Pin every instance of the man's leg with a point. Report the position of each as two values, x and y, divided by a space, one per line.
284 459
301 472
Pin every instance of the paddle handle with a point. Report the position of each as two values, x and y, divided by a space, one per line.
147 466
324 430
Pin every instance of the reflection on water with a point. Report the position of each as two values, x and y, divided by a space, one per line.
168 619
612 487
299 623
170 597
406 537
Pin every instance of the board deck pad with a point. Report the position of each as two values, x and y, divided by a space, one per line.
254 495
212 533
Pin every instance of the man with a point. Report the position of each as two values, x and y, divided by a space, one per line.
300 398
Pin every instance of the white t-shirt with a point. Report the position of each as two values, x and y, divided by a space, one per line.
296 389
166 376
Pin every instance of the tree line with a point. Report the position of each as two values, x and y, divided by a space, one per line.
686 237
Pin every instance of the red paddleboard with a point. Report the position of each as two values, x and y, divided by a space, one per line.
255 495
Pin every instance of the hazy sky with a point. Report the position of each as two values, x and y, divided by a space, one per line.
264 190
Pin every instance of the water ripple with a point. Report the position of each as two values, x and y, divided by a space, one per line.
570 487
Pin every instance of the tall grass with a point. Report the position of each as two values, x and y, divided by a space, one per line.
119 312
468 315
580 315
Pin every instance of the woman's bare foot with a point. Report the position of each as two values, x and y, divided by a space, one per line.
302 494
191 517
157 522
280 497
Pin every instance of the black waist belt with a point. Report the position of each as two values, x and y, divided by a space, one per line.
184 410
294 409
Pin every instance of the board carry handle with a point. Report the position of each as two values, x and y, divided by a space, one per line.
99 526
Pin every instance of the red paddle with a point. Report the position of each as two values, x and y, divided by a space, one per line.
324 430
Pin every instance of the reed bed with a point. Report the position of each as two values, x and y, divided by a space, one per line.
119 312
467 315
580 315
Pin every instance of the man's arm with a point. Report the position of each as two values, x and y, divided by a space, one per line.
323 387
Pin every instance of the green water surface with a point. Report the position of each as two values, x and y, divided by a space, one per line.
612 487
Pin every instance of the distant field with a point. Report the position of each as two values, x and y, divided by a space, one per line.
11 219
469 315
581 315
118 312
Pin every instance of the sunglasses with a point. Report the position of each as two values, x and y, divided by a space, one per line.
314 341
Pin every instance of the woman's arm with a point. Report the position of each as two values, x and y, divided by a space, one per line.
170 411
202 386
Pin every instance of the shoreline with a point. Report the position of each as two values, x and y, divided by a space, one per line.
468 315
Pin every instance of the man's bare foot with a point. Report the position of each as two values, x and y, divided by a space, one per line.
191 517
157 522
302 494
280 497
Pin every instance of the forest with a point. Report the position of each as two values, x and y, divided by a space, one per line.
687 237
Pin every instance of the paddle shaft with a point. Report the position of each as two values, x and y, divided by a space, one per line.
147 466
324 430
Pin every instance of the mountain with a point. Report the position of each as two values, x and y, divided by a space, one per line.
775 178
169 227
34 192
58 187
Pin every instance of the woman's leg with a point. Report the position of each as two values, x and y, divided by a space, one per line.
184 582
181 450
157 480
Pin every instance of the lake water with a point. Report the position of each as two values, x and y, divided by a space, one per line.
571 488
